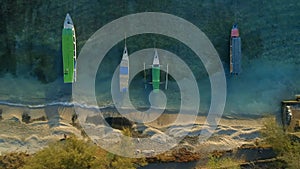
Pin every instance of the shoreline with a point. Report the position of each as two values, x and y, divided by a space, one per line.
112 108
49 123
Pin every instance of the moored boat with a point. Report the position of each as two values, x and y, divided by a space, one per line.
124 71
155 72
69 50
235 50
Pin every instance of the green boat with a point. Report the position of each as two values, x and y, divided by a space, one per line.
69 50
155 72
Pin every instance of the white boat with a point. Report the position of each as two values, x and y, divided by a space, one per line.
124 71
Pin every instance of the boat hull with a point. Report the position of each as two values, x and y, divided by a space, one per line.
235 51
68 50
124 76
155 78
235 55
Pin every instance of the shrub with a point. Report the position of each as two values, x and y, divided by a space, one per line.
222 163
274 135
73 153
287 149
13 160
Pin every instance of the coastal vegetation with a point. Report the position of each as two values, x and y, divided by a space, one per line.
13 160
70 153
285 145
220 163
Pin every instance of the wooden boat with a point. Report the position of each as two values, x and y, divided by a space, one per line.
124 71
69 50
235 51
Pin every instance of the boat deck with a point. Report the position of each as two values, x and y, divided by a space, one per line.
235 55
69 50
124 76
124 71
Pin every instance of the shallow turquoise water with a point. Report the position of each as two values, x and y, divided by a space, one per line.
257 91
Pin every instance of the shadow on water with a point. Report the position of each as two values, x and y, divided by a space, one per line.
61 93
254 154
171 165
247 154
52 116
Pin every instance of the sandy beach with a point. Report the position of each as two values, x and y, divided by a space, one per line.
50 123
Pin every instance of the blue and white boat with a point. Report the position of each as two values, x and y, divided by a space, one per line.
124 71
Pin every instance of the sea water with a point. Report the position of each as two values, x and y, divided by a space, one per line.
258 90
270 49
